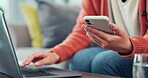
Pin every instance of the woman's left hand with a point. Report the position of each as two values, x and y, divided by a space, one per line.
119 41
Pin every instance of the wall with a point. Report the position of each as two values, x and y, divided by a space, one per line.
15 12
4 4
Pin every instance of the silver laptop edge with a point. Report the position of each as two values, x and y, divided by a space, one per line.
14 63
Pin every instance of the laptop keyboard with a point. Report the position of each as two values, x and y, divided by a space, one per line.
28 72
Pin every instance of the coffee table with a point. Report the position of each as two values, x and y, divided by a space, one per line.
85 75
90 75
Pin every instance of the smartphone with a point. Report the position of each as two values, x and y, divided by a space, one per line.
101 23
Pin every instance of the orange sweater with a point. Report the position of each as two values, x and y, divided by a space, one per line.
78 40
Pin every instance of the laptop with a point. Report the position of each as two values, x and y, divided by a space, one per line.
9 63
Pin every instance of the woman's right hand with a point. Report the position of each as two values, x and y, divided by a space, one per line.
41 58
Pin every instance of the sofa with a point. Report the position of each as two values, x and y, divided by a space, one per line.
22 37
22 45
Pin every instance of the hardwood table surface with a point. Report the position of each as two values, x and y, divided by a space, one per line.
91 75
84 75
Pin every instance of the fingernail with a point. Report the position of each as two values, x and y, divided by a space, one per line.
83 25
21 65
37 63
84 29
86 34
27 63
112 26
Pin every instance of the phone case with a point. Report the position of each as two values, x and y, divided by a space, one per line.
101 23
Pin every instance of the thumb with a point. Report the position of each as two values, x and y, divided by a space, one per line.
117 30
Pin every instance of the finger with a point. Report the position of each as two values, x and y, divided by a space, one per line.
45 61
83 25
101 34
51 59
96 39
117 30
99 41
36 59
22 65
27 61
31 58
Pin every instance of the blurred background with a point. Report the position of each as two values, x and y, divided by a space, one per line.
38 25
11 7
34 23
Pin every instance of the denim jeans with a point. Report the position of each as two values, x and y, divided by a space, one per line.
101 61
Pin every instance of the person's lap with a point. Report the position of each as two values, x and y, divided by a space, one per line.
101 61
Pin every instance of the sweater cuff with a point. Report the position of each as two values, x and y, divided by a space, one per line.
138 46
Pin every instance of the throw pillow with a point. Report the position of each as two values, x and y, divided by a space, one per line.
30 14
56 22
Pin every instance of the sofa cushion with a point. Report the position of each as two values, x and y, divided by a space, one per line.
56 22
21 35
30 14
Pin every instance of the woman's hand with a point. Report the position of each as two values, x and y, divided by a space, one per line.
118 41
41 58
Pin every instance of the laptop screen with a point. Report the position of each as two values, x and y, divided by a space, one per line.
8 60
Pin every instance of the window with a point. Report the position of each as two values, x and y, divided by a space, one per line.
4 5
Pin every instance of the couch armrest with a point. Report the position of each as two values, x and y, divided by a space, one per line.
22 35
